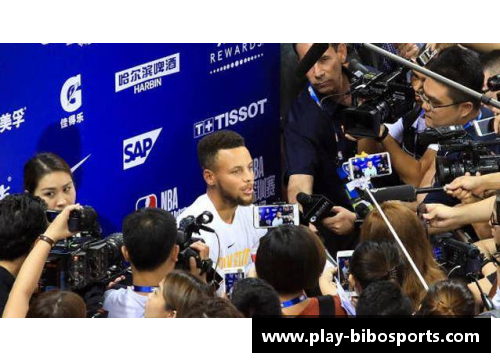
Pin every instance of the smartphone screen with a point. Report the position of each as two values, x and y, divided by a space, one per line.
231 276
484 127
269 216
371 166
343 265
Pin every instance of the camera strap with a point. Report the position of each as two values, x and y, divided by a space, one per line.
143 289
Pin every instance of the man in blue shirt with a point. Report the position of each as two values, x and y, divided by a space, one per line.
316 146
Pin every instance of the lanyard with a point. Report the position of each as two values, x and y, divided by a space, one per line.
294 301
142 289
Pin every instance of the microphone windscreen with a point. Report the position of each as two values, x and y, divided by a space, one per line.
311 57
303 199
401 193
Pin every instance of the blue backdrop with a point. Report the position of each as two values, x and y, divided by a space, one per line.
130 115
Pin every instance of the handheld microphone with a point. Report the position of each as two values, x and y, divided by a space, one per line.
402 193
316 207
311 57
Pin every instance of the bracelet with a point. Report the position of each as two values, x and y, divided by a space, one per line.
384 135
47 239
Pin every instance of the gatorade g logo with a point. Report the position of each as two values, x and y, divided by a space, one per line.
137 149
71 95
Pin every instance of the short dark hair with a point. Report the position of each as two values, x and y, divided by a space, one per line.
149 236
213 308
448 298
255 297
57 304
374 261
41 165
462 66
335 47
290 258
209 146
22 220
383 298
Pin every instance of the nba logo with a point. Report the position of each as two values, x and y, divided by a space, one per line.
147 201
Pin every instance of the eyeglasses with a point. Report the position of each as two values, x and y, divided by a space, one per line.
432 106
494 220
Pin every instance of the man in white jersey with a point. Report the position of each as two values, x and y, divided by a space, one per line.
228 172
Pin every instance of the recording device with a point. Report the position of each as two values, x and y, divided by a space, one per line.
377 99
401 193
426 56
458 257
370 166
441 134
79 262
474 157
484 127
270 216
82 220
231 276
187 227
343 269
315 207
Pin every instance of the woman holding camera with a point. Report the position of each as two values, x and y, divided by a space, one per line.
48 176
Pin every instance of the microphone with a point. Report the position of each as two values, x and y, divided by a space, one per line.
355 66
316 207
402 193
311 57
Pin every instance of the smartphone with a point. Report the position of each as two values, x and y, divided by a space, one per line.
376 165
426 56
343 265
231 276
484 127
270 216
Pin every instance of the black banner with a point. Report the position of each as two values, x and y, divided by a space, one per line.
371 335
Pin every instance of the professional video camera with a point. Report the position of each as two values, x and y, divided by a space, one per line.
377 98
84 260
187 227
459 258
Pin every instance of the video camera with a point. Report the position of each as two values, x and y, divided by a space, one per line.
85 260
377 99
459 258
187 227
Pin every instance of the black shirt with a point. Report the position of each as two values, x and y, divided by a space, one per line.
6 283
315 145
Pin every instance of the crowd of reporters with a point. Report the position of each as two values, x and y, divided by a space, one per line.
288 270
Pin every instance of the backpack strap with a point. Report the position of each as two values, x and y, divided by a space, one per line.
326 305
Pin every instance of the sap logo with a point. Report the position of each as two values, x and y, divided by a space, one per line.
147 201
137 149
71 95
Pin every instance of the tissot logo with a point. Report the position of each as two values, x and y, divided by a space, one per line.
137 149
71 95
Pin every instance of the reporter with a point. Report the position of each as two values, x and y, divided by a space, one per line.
295 251
27 280
448 298
58 304
255 297
213 308
413 235
383 298
178 291
48 176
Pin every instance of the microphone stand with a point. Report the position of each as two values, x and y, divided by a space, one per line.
397 59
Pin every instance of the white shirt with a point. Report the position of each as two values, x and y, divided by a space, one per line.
368 172
124 303
396 130
238 241
496 299
277 222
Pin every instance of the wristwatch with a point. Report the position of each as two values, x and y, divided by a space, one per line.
384 135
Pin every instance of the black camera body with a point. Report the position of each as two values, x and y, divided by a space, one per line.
187 227
84 219
385 98
79 262
459 258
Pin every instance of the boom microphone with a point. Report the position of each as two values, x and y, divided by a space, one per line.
311 57
402 193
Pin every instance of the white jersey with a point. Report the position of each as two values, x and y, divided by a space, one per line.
238 241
